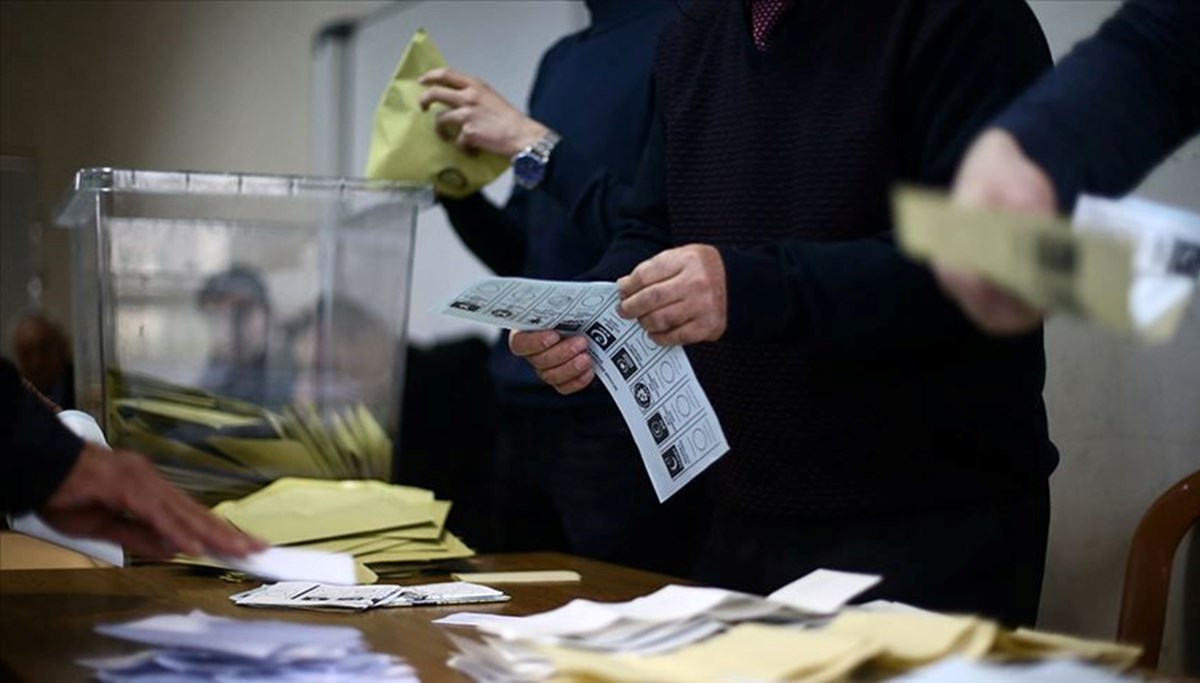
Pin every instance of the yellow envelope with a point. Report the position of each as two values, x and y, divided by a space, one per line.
910 640
404 142
751 652
297 510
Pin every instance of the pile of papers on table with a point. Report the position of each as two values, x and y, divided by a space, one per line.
385 527
218 448
800 633
199 647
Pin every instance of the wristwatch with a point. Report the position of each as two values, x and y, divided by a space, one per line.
529 165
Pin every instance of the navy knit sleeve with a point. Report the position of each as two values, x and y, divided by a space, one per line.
591 194
642 228
36 451
864 296
493 234
1118 104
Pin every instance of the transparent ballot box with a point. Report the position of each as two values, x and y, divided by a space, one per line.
236 327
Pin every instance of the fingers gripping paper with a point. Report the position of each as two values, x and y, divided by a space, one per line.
669 416
404 141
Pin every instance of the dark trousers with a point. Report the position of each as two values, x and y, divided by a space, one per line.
571 479
983 558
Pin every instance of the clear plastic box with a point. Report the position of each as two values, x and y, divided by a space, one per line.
239 327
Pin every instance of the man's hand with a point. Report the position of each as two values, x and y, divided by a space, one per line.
477 117
562 363
118 496
996 174
678 296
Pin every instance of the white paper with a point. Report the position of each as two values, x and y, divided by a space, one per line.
295 564
654 387
1166 250
473 619
823 591
576 617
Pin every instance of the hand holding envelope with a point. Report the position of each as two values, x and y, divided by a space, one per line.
405 144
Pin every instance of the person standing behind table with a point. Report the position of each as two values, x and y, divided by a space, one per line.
568 466
1110 112
83 489
872 428
43 356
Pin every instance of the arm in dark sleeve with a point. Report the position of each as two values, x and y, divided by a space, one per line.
592 197
1118 104
495 235
864 296
642 229
36 450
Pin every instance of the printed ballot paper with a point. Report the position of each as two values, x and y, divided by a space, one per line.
654 387
1128 264
307 595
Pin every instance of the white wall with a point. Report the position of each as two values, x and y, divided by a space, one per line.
207 85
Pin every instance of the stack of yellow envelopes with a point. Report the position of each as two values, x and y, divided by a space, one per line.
386 527
218 448
875 644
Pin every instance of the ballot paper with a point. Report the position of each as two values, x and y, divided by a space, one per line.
308 595
200 647
1128 264
295 564
823 591
666 409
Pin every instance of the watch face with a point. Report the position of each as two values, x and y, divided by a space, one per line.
528 170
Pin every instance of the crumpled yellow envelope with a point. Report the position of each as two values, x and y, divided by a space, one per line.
404 143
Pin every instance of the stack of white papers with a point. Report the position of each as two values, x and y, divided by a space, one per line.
308 595
199 647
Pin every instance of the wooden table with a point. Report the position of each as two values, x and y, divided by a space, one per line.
47 617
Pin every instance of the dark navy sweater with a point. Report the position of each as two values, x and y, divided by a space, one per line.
36 450
1118 104
593 88
847 384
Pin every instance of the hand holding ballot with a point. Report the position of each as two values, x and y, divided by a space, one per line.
678 296
477 117
1004 258
118 496
996 174
561 362
1128 264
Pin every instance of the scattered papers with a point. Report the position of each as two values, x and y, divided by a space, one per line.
218 448
384 526
200 647
1129 264
307 595
667 411
697 634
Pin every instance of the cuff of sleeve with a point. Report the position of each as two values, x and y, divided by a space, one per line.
1049 147
49 451
758 302
567 173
